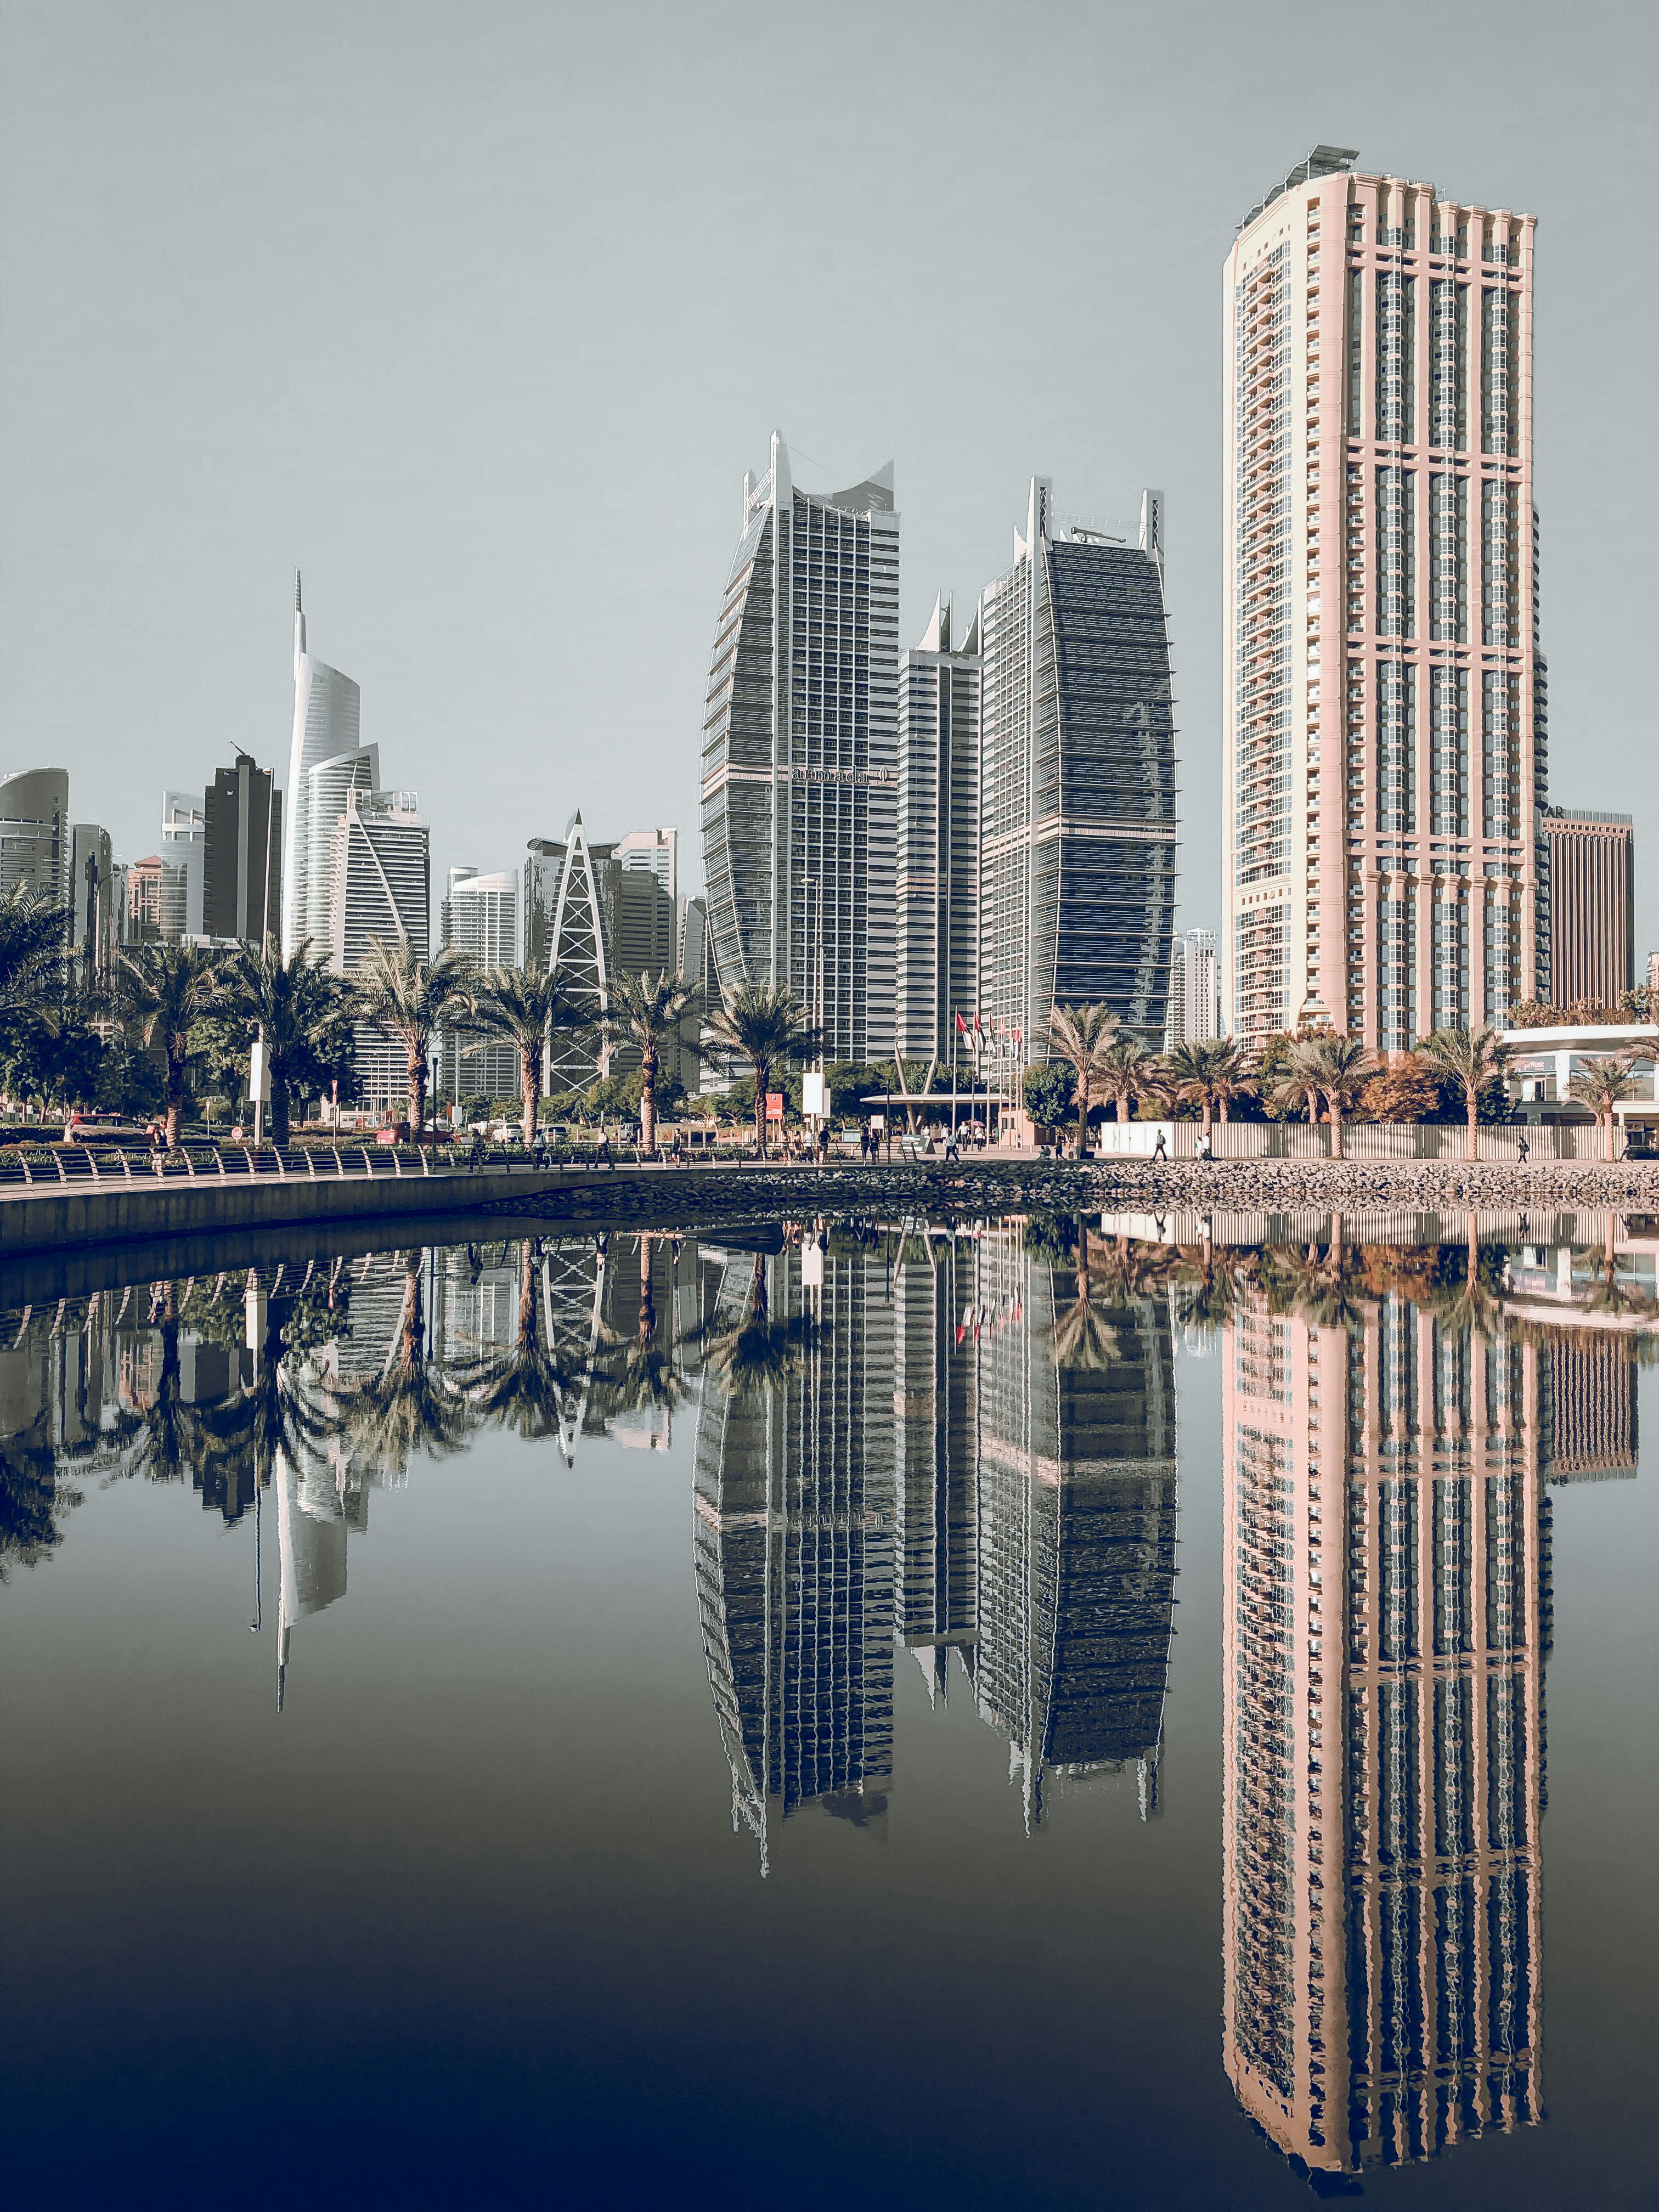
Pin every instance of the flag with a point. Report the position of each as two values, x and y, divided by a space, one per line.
962 1026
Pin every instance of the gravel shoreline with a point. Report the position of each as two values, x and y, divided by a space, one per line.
999 1185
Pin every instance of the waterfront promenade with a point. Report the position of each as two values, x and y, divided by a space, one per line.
361 1185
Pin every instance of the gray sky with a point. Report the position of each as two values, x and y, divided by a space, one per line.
479 314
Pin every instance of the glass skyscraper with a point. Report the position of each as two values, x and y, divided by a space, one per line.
327 721
1077 779
800 755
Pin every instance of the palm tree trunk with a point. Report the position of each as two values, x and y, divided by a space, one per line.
175 1099
1209 1118
530 1088
279 1107
761 1073
412 1327
647 1324
1083 1105
649 1099
1336 1128
417 1093
1473 1103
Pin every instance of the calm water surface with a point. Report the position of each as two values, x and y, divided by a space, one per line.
1047 1712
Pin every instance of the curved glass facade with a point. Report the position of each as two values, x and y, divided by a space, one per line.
800 756
1080 781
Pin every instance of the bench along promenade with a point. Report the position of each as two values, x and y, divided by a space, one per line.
72 1197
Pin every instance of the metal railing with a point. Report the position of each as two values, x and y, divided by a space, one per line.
91 1166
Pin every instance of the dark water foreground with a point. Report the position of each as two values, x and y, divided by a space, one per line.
1051 1711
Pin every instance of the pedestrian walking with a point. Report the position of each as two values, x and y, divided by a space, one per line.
1522 1151
1160 1150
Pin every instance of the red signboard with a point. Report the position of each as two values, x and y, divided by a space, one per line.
774 1105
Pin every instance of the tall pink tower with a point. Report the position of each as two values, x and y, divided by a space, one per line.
1383 724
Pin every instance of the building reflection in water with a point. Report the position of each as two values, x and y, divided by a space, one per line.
936 1443
1389 1425
795 1514
320 1382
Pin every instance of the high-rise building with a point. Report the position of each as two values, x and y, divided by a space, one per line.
1385 1620
645 928
481 920
329 784
34 832
1077 779
936 1461
801 754
183 852
140 917
1588 1405
1194 1012
691 941
1592 909
656 852
1382 713
92 889
793 1543
382 890
327 719
937 836
242 855
692 960
1077 1514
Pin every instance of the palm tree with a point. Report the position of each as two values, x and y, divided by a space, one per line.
525 1386
167 1431
296 1005
287 1412
765 1026
1127 1073
525 1006
407 999
1212 1284
32 929
1082 1036
1333 1068
1601 1086
648 1011
1208 1073
1299 1090
406 1407
747 1359
167 989
1086 1333
1470 1058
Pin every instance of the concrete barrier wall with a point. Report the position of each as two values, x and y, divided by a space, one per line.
71 1219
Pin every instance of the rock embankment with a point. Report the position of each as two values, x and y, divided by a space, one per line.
993 1185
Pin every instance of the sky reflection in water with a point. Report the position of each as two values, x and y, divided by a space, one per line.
886 1835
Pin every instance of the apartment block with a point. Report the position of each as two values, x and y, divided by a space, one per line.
1384 730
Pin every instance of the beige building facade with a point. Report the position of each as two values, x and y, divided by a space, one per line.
1386 1620
1383 715
1592 907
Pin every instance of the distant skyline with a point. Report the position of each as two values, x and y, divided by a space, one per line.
479 320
